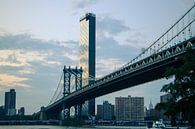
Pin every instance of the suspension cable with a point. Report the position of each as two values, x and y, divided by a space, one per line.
56 89
158 38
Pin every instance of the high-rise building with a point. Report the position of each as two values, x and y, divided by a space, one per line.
87 55
137 108
2 110
99 111
10 102
129 108
105 111
7 101
123 108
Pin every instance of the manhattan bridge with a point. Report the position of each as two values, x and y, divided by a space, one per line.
149 65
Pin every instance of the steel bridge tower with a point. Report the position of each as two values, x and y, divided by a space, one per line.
67 73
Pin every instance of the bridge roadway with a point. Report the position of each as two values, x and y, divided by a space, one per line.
145 70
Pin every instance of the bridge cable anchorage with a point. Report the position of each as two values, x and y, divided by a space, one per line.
161 37
51 100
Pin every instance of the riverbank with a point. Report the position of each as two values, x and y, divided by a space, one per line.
29 122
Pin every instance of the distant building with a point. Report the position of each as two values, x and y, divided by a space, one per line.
150 105
108 111
99 111
129 108
122 108
137 108
105 111
21 111
2 110
165 98
10 102
87 56
152 114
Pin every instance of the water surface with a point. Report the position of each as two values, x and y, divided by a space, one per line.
63 127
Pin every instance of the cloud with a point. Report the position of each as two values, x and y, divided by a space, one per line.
136 40
186 3
28 42
108 47
21 58
7 80
80 4
73 56
110 27
3 31
119 32
26 71
49 52
107 65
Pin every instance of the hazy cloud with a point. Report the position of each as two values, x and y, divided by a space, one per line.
7 80
110 26
136 40
108 47
21 58
186 3
26 71
80 4
26 41
107 65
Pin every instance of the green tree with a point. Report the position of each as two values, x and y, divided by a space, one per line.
182 90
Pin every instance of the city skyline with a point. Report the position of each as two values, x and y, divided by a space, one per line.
34 47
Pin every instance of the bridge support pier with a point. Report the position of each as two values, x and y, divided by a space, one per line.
65 112
43 115
78 110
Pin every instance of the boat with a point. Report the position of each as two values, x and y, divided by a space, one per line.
158 125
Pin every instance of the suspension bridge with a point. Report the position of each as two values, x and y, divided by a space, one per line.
149 65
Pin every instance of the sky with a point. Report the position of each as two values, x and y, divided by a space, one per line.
39 37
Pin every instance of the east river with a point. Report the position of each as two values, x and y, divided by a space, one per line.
63 127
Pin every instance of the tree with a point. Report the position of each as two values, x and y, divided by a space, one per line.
182 89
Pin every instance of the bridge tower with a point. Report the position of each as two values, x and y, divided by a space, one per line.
68 73
43 115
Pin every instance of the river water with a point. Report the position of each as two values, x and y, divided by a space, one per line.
62 127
